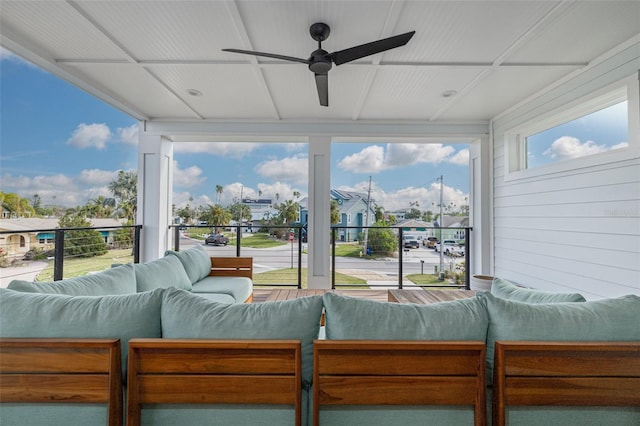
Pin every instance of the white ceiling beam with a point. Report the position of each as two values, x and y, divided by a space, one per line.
393 15
131 59
242 33
533 31
187 131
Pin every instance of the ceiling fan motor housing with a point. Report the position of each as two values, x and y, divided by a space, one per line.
320 61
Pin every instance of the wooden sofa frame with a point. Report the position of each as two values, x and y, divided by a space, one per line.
565 374
368 372
199 371
232 267
62 371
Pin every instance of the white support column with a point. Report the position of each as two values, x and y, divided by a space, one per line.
481 205
318 274
155 183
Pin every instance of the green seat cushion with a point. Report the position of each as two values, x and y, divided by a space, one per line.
238 287
52 315
218 297
189 316
120 280
195 260
600 320
161 273
357 318
507 290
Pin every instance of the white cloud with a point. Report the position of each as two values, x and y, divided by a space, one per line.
128 135
290 169
370 159
90 136
428 198
567 147
373 158
223 149
460 158
186 178
97 176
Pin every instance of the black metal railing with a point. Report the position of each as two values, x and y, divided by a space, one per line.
80 244
451 270
385 260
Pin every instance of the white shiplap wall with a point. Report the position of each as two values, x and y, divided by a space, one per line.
576 228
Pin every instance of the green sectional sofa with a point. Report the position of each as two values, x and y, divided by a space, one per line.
179 316
192 270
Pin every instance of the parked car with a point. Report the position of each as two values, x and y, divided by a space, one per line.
430 242
410 241
217 240
450 248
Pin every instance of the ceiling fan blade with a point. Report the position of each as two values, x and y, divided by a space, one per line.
268 55
322 84
357 52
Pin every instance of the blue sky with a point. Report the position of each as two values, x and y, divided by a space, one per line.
66 146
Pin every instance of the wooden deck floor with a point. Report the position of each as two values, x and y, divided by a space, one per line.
274 294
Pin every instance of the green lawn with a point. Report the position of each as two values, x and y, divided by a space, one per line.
259 240
425 279
78 267
290 276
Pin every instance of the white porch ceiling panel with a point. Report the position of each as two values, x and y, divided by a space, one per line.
144 56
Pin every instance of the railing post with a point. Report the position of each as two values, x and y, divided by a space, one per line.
333 258
58 256
400 251
176 238
238 239
300 257
467 258
136 243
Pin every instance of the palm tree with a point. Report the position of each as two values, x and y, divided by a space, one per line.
219 189
125 191
289 211
215 215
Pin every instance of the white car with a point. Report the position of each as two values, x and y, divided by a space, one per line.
451 248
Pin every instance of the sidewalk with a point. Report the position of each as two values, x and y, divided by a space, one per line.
378 281
27 272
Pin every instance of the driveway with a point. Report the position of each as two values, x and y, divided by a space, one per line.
28 272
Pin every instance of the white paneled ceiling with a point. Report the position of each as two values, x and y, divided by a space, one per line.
144 56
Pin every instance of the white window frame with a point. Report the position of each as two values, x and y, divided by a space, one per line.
515 138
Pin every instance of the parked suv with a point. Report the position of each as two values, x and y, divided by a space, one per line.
217 240
430 242
411 241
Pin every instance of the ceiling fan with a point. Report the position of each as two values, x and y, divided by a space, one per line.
320 61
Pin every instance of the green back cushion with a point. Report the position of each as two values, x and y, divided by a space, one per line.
508 290
161 273
195 261
356 318
601 320
185 315
53 315
120 280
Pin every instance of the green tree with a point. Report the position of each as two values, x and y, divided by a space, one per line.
100 207
289 211
335 212
16 205
219 189
240 212
428 216
413 213
382 241
82 242
125 191
216 215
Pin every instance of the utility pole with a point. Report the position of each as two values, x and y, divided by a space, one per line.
366 222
